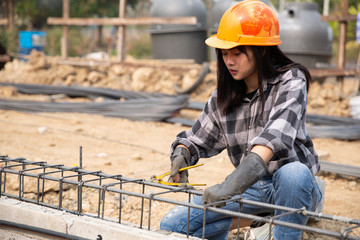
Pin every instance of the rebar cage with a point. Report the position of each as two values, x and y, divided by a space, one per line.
120 199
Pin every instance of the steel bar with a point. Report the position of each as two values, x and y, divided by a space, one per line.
142 207
155 107
137 106
342 169
341 132
43 231
171 188
80 91
188 222
152 109
120 180
120 202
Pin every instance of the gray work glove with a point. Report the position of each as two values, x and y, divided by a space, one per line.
179 159
249 171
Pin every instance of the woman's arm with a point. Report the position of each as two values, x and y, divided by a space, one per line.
264 152
205 139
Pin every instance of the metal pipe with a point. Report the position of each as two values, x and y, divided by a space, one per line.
40 230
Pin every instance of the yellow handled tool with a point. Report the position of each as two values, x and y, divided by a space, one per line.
159 179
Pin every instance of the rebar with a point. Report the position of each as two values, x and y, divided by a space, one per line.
108 186
46 232
140 106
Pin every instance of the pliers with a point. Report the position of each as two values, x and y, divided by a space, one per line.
159 179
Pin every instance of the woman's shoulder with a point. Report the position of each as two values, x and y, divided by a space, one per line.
293 73
284 78
210 104
213 96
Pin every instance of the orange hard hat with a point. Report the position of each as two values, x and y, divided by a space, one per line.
250 22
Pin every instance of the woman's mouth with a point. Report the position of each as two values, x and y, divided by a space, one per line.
232 71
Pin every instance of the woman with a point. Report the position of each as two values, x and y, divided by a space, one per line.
257 113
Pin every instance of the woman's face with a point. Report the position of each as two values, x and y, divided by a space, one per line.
240 63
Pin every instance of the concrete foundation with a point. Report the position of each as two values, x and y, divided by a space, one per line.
19 212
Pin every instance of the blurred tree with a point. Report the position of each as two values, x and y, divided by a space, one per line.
101 8
7 11
33 13
335 8
91 8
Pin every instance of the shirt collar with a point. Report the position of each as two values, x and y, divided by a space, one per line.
270 81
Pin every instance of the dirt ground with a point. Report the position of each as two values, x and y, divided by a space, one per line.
140 149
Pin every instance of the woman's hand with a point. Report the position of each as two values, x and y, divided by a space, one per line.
250 170
179 159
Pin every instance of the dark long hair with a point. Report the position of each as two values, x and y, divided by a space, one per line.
270 62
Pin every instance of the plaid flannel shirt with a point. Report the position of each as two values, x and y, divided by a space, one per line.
281 127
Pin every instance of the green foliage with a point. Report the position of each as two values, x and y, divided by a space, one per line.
133 3
78 44
54 35
352 51
9 40
100 8
335 8
353 10
91 8
34 13
139 45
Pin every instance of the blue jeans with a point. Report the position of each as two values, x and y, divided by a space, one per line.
292 186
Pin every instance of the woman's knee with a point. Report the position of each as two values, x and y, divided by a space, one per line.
294 172
172 221
178 219
294 177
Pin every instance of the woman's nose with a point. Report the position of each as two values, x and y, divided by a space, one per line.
230 60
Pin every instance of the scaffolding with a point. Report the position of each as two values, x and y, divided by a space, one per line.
49 185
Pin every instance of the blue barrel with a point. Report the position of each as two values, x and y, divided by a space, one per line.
29 40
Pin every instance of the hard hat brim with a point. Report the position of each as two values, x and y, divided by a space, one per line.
215 42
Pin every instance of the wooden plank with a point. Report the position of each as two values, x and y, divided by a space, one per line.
4 58
338 18
3 21
326 72
121 45
121 21
342 41
10 15
65 36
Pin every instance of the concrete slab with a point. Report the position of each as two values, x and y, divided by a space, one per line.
38 216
